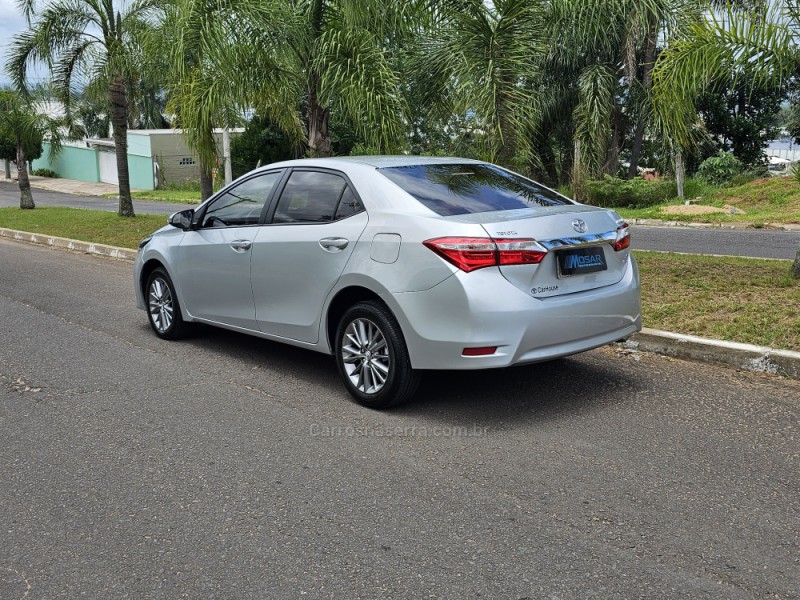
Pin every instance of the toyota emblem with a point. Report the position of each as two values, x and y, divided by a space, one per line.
579 225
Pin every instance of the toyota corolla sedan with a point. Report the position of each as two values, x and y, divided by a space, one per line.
395 265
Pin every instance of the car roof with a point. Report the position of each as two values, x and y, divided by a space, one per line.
377 162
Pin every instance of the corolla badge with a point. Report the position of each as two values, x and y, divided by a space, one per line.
579 225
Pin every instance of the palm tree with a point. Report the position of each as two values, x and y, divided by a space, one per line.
758 40
223 57
601 53
473 62
83 41
757 44
21 121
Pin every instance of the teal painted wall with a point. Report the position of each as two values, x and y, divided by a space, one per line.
140 169
139 145
71 163
82 164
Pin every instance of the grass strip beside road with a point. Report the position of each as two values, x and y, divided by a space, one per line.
746 300
172 196
100 227
738 299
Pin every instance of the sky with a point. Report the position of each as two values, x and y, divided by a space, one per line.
11 23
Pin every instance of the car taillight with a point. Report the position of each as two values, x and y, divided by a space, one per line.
469 254
623 237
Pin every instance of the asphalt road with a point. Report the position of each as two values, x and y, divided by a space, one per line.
9 196
761 243
225 466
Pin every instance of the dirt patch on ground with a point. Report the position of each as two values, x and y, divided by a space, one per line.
694 209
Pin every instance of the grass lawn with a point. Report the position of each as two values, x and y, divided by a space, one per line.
87 225
173 196
176 196
737 299
761 201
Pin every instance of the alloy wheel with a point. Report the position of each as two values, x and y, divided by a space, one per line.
161 305
365 355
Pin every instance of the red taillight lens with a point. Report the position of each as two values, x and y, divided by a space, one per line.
519 252
484 351
623 237
469 254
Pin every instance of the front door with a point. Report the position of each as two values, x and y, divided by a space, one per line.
214 260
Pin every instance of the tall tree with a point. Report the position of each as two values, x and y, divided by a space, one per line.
84 41
725 45
473 62
21 121
342 53
225 57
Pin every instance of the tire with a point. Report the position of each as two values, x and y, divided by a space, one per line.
163 308
372 357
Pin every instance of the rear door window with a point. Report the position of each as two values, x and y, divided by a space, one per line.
459 189
315 197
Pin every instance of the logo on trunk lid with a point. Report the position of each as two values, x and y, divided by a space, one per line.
579 225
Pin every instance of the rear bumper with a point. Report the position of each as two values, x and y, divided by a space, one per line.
479 309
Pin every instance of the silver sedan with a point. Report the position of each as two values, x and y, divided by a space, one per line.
395 265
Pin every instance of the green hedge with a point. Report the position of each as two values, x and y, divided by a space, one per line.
613 192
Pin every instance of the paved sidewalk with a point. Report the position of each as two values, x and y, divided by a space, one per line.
69 186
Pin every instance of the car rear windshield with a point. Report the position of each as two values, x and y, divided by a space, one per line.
459 189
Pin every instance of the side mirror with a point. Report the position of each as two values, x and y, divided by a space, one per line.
182 220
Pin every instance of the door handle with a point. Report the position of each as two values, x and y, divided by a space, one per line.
334 244
241 245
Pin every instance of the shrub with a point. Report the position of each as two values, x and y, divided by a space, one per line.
720 169
612 192
44 173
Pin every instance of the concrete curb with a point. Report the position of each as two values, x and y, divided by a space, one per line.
68 244
746 357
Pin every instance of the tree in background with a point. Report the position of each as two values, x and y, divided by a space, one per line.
472 63
261 143
342 54
743 120
22 122
728 44
86 41
225 57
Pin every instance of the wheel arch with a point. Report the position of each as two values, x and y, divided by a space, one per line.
148 267
344 299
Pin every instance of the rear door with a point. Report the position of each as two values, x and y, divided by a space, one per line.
297 259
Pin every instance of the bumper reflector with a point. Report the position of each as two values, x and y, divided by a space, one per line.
486 350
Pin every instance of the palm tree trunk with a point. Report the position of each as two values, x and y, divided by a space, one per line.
206 183
8 169
119 119
679 173
647 85
25 195
319 138
612 158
